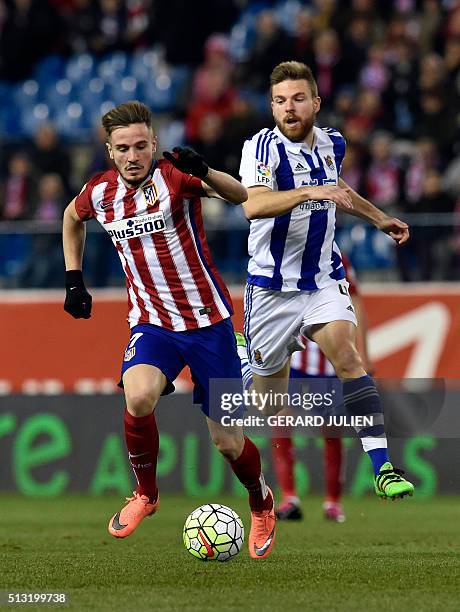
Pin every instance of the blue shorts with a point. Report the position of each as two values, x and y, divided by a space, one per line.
210 353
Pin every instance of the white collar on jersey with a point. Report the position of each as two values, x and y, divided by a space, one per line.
296 147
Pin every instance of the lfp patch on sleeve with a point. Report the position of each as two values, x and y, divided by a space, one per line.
263 174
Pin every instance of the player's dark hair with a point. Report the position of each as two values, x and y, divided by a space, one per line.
293 71
125 114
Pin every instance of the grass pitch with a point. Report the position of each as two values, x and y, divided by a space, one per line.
387 556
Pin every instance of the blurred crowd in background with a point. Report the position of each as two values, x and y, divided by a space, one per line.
388 75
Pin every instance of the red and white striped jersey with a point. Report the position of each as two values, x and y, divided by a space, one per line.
312 360
157 229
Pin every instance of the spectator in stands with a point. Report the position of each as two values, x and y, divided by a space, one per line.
47 155
82 23
216 59
183 26
324 14
423 158
452 66
432 241
367 111
209 142
111 32
50 200
451 178
429 25
375 73
327 66
383 176
31 30
302 38
99 159
42 267
217 96
271 46
400 98
357 40
352 169
243 119
431 74
137 23
435 121
16 193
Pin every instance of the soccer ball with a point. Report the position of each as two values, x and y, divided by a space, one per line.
213 533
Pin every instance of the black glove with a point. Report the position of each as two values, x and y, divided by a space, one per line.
77 300
187 160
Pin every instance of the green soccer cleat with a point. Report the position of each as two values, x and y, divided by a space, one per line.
240 339
389 483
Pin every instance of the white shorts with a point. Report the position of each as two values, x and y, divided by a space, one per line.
273 319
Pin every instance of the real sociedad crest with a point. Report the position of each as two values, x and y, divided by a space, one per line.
329 162
150 192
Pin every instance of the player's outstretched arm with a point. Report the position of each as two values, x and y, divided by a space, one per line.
362 208
263 202
78 301
221 184
214 182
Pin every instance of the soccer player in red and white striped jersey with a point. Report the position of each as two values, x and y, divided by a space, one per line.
178 306
308 363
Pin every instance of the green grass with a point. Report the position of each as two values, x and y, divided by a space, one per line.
387 556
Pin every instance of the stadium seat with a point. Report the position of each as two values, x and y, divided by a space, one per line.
80 68
30 120
124 90
165 89
71 123
14 250
286 14
49 69
59 94
27 94
91 94
144 63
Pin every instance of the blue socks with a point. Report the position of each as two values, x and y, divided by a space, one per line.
378 456
361 398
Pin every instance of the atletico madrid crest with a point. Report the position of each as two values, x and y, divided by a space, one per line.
150 192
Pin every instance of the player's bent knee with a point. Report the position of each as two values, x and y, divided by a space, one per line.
348 363
141 403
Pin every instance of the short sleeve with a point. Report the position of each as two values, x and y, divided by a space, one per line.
191 187
259 161
83 203
339 146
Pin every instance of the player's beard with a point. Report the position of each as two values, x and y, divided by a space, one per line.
133 181
299 133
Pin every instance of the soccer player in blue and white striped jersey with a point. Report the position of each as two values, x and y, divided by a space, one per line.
296 282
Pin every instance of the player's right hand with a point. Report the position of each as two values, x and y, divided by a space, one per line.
341 197
78 301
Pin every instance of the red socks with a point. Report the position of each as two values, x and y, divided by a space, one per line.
248 470
333 468
283 464
142 441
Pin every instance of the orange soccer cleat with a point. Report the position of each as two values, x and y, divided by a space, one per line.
123 523
262 534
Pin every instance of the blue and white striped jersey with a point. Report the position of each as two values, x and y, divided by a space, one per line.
295 251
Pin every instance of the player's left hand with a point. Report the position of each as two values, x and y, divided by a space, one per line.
395 228
187 160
